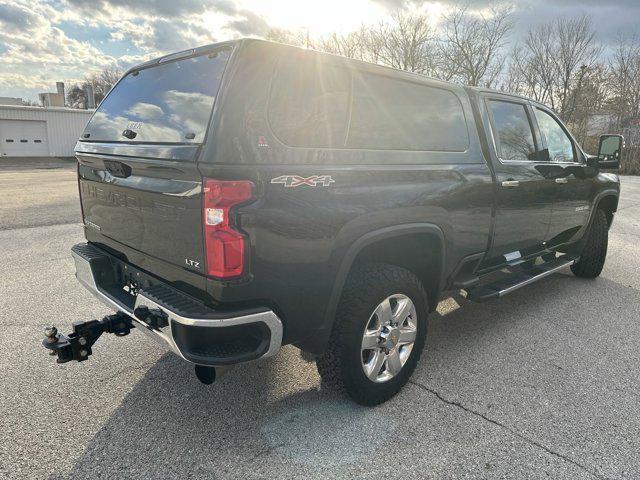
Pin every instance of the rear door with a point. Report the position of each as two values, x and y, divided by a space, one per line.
524 196
139 182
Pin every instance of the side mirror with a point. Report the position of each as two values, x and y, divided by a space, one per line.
609 151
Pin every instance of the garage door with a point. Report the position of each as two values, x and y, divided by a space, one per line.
23 138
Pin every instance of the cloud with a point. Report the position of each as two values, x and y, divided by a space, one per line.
190 110
29 82
36 53
145 111
248 23
164 26
158 8
17 18
170 35
611 17
42 41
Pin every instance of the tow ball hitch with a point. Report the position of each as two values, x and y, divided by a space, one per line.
77 345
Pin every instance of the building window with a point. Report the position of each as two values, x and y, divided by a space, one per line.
9 140
37 141
23 141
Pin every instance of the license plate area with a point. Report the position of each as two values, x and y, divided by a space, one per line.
131 286
124 282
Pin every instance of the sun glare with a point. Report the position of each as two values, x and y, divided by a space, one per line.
319 17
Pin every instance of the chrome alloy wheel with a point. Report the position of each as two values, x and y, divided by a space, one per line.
388 338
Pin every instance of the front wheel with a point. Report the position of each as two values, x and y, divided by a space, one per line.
594 254
378 336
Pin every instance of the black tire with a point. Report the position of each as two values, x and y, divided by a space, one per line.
595 250
340 366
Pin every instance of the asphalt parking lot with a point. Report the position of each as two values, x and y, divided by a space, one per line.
542 384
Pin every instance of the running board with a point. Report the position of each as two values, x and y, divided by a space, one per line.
518 280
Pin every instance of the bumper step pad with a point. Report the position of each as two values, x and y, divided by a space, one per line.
198 333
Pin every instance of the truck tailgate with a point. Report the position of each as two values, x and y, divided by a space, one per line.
156 209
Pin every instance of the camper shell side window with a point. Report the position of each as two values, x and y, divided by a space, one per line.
316 105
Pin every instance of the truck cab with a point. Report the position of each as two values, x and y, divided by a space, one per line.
546 184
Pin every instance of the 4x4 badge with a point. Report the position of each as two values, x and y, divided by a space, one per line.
297 180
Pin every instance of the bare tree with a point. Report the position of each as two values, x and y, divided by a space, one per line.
586 98
77 97
577 52
520 77
353 45
406 43
554 60
473 48
298 38
535 65
102 82
624 98
624 79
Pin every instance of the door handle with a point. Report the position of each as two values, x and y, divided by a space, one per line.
562 180
510 183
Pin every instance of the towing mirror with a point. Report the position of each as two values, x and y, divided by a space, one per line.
609 151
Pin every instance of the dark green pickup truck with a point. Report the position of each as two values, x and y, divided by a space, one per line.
246 195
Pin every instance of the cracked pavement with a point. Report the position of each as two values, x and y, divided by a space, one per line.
543 383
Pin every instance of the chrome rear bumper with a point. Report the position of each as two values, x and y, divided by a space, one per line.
207 324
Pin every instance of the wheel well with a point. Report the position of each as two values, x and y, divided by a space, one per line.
609 204
421 254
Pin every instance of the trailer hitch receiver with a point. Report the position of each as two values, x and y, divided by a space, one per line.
77 345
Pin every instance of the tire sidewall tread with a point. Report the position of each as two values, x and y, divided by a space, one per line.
340 365
594 254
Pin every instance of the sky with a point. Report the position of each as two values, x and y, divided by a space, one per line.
44 41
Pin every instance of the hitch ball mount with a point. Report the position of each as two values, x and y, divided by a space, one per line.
77 345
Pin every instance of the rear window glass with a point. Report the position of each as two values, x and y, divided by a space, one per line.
515 138
309 104
167 103
390 114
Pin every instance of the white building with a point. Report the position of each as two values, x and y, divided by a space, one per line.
11 101
40 132
51 99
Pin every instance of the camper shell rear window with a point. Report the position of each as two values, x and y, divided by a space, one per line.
170 102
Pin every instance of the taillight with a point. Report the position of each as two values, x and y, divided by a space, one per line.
224 245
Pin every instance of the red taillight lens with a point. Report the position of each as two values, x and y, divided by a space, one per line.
225 246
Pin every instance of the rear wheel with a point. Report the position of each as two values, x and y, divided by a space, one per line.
594 254
378 336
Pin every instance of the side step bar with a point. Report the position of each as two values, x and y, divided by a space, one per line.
514 281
